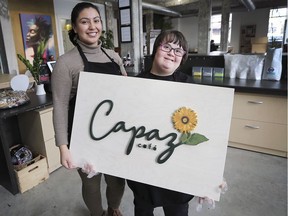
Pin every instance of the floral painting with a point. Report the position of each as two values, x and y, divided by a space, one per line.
36 28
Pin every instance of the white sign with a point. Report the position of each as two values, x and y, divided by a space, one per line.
168 134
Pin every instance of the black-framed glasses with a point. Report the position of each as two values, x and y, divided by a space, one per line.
177 51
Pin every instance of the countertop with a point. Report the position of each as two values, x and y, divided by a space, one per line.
36 102
245 85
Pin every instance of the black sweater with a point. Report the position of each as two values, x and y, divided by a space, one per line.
153 195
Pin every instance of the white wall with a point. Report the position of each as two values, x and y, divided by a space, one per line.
9 45
260 18
189 26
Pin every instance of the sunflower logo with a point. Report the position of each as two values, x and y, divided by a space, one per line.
185 120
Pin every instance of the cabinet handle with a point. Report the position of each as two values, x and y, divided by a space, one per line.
252 126
256 102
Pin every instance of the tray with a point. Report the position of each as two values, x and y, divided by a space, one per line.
10 99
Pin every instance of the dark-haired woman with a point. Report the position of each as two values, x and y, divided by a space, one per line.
87 55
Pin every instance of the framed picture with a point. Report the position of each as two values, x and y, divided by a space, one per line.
51 65
123 3
35 28
126 34
125 16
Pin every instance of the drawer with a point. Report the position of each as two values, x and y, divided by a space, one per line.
47 123
260 134
260 108
52 155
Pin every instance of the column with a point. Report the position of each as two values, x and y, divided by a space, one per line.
149 26
225 25
109 15
204 17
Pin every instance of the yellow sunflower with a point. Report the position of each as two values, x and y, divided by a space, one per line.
184 120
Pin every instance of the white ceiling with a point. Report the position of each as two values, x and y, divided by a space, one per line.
190 7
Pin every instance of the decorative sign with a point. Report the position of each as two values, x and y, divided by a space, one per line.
168 134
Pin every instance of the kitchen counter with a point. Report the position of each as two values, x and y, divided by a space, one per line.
245 85
240 85
36 102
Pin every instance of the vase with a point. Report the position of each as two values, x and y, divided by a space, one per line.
40 89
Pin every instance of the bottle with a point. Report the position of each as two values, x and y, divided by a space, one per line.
128 59
124 61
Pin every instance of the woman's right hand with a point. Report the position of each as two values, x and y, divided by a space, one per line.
66 158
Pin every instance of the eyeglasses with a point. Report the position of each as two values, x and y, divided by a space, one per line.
177 51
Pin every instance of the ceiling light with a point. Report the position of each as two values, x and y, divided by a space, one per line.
248 4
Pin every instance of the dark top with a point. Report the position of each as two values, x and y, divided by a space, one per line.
153 195
177 76
213 47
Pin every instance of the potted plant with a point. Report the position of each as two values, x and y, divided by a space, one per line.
35 67
107 39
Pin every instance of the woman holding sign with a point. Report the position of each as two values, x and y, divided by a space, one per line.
87 55
169 52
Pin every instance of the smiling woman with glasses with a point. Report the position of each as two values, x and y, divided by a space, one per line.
175 39
169 53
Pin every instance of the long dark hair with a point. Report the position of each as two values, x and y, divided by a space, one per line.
45 29
171 36
74 15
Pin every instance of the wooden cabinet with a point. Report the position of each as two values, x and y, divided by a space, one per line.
259 123
37 132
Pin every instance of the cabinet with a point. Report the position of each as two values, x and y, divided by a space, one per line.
259 123
37 132
10 136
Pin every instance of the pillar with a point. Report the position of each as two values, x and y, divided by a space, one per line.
204 18
149 26
225 25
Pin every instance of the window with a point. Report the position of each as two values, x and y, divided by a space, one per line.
276 26
215 33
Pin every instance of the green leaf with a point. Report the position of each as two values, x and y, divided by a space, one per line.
195 139
37 61
107 39
184 137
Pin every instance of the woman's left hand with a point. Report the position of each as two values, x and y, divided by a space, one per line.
223 187
89 170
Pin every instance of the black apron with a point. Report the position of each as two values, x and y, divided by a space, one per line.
95 67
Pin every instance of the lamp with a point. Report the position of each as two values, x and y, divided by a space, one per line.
248 4
68 27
